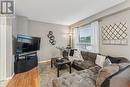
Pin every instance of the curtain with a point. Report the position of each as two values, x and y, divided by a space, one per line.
75 37
95 36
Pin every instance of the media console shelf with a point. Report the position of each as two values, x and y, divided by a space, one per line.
25 62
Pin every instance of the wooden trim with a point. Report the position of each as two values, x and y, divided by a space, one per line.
45 61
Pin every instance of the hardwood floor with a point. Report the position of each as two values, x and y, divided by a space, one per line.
26 79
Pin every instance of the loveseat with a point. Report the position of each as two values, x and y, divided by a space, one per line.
90 74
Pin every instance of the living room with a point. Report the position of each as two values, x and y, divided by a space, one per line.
65 44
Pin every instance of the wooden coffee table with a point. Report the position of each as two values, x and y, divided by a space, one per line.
59 64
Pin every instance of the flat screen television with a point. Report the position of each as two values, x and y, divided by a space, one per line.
26 43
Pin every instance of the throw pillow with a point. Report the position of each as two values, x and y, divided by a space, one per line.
77 56
71 58
100 59
113 59
107 62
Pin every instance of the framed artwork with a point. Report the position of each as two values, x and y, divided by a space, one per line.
115 34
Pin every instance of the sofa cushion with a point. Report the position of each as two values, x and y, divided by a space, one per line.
122 79
89 56
106 72
123 65
123 60
118 59
92 56
83 64
84 55
95 69
84 78
113 59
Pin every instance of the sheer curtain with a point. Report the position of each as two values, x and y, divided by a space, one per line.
75 37
95 37
94 34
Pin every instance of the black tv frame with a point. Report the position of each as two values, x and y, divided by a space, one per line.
27 40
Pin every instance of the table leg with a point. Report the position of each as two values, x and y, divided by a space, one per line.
70 67
57 70
51 63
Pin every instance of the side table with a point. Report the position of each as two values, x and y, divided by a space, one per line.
59 64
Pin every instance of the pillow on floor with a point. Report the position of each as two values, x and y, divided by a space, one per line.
100 59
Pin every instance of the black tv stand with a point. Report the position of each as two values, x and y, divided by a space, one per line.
25 62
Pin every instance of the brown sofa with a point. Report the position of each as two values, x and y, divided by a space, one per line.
118 79
88 78
89 60
90 74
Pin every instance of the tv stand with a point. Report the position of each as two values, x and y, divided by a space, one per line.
25 62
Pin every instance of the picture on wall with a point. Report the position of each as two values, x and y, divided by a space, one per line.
115 34
51 38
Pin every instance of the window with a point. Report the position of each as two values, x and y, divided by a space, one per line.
87 37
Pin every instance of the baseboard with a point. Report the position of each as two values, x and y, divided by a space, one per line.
6 81
10 77
44 61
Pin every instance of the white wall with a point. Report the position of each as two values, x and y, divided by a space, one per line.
21 25
41 29
116 50
6 48
9 50
115 14
3 48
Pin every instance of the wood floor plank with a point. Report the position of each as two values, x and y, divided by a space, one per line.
26 79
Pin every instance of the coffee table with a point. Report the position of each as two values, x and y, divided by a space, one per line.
58 64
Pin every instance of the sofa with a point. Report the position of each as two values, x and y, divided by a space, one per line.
121 78
90 74
89 60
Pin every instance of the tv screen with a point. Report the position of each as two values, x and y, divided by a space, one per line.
27 43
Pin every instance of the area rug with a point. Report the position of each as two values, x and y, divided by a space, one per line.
47 74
